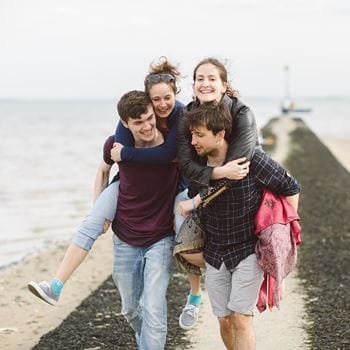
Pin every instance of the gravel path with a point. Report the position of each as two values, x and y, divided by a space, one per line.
323 267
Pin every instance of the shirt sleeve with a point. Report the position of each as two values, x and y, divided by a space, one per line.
123 135
108 145
244 137
164 153
272 175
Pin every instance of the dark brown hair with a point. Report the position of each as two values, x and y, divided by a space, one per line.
230 91
163 66
133 104
212 115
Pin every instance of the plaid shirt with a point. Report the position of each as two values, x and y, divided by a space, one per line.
229 219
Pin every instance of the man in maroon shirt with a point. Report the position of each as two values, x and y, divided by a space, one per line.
143 226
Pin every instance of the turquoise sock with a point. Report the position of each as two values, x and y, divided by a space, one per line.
56 286
195 299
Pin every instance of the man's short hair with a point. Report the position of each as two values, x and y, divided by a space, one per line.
214 116
133 104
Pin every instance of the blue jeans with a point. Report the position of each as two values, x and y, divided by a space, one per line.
105 209
142 275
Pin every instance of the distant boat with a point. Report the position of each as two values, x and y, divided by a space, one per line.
287 105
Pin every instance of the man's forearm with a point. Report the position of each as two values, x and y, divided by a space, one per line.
101 180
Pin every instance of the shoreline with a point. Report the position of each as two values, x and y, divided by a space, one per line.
25 319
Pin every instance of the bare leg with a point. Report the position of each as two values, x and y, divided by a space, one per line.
195 283
72 259
244 332
227 332
195 259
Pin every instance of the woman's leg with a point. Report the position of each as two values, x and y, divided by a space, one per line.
90 229
189 315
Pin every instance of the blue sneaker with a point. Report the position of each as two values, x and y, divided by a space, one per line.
43 291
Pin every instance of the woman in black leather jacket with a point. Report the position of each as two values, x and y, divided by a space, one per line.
211 84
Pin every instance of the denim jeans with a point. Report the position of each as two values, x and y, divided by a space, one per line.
142 275
105 209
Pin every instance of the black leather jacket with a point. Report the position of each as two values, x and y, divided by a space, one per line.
244 141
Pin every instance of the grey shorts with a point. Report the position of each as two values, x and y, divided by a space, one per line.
236 290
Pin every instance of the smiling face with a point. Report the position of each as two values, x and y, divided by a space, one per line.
163 99
208 86
143 129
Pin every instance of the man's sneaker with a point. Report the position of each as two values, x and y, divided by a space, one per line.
43 291
189 316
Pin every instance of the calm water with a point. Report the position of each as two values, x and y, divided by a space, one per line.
50 151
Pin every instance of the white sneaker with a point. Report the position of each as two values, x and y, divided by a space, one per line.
189 316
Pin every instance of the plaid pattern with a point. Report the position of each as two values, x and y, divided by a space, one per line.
229 219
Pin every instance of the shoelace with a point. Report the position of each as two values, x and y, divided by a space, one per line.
191 309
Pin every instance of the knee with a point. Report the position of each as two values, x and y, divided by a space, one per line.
225 323
241 323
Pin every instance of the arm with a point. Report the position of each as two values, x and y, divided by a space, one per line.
272 175
103 171
244 136
102 178
185 207
164 153
243 141
123 135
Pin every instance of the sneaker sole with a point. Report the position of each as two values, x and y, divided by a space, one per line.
186 328
35 289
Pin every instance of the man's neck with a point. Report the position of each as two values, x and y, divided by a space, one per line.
218 156
158 140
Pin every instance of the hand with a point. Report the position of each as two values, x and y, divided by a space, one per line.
185 207
236 169
106 225
116 152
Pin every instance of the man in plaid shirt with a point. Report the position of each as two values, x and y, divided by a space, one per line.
233 276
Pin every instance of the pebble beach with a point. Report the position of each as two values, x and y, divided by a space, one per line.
314 314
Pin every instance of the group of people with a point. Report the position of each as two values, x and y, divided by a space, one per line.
171 157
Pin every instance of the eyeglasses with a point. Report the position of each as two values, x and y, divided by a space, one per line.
158 77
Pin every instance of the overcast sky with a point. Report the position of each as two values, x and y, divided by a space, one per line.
99 49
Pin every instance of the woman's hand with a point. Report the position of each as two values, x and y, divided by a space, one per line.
235 169
116 152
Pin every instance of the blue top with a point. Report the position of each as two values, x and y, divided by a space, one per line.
164 153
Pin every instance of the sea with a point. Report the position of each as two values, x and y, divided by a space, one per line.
50 151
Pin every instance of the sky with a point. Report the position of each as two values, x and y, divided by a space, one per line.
100 49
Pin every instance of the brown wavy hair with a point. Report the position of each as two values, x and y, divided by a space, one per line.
163 66
230 91
133 104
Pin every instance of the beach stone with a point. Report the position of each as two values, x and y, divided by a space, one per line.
97 323
324 257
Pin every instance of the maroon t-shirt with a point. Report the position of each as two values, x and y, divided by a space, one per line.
146 200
